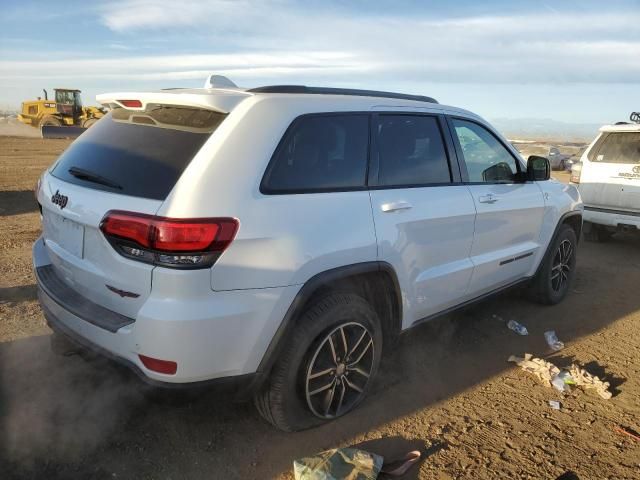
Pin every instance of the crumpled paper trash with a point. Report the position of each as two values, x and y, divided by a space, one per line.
339 464
548 372
584 379
542 369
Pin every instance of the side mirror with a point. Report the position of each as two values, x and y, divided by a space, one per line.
538 168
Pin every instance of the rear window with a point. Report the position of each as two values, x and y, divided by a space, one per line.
320 153
137 153
619 148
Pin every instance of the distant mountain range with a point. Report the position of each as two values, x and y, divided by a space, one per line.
545 129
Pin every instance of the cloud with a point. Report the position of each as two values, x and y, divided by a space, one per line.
544 46
328 43
172 67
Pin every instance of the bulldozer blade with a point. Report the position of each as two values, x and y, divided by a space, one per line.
54 131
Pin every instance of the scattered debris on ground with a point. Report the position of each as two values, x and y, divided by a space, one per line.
552 340
351 464
561 379
582 378
339 463
542 369
627 431
517 327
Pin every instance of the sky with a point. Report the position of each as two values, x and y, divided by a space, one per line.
572 61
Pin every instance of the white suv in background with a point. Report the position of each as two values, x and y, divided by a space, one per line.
283 236
609 181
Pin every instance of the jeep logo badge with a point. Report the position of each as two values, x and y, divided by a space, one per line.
60 200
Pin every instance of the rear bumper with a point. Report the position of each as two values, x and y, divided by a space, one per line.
611 217
241 385
214 337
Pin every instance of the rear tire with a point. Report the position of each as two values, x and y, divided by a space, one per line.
596 233
296 396
555 276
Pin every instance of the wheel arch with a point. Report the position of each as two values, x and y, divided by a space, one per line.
574 220
371 280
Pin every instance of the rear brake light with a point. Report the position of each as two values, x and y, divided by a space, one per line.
131 103
160 366
171 242
576 171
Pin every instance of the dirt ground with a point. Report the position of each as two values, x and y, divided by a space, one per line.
446 388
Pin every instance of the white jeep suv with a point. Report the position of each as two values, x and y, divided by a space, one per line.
609 181
281 237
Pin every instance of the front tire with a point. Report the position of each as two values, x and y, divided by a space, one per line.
327 366
556 274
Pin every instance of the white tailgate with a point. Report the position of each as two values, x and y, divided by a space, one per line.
614 186
81 255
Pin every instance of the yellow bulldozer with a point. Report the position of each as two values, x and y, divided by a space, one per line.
64 116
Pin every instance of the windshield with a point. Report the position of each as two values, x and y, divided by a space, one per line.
143 153
620 148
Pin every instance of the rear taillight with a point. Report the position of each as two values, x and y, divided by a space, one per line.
576 171
169 242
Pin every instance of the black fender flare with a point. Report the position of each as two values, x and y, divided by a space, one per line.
306 292
561 221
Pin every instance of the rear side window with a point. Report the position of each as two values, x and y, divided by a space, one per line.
619 148
411 151
137 153
320 153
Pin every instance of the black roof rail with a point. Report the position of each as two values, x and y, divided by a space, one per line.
635 117
339 91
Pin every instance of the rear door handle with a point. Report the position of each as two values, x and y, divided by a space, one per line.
488 198
394 206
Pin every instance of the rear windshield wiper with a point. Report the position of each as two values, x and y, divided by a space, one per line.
93 177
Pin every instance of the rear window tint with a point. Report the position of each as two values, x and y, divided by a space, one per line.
619 148
320 153
138 153
411 151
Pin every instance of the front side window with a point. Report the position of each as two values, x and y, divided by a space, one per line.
411 151
486 159
319 153
620 148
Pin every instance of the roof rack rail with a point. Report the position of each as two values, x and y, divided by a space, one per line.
635 117
339 91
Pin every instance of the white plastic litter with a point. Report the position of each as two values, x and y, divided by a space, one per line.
554 404
552 340
517 327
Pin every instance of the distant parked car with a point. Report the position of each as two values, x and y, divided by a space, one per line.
558 160
608 178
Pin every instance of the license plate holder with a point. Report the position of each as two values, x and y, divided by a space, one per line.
66 233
